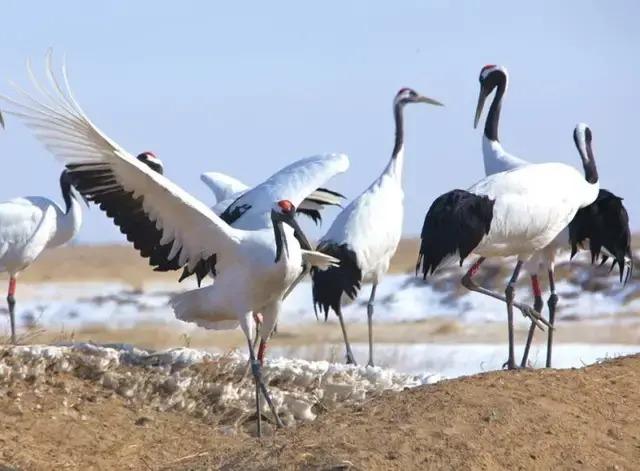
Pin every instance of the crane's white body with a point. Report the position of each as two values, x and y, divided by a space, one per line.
249 282
497 160
247 277
29 225
533 205
371 225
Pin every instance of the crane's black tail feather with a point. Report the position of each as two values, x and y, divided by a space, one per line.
454 225
329 285
605 223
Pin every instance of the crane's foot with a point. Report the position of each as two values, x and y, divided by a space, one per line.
536 318
511 365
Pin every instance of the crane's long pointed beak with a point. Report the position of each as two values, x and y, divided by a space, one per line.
430 101
481 99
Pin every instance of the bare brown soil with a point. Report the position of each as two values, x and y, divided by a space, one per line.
586 418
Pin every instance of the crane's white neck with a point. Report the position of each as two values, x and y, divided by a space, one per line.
496 159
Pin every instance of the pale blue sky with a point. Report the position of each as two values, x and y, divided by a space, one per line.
247 87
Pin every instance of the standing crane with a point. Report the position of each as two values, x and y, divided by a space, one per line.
28 226
365 235
244 208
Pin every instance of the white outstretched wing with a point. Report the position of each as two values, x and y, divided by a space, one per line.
223 186
298 182
164 222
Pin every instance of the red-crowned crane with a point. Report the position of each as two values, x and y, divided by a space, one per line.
254 268
244 208
365 235
28 226
513 213
604 223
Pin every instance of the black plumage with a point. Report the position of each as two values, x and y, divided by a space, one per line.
313 214
98 184
454 225
605 223
329 285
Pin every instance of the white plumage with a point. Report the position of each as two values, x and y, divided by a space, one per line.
302 179
223 186
30 225
532 205
171 227
244 207
513 213
365 235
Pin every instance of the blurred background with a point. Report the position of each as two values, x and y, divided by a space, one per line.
245 88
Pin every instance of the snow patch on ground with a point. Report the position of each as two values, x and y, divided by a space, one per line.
458 359
205 383
400 298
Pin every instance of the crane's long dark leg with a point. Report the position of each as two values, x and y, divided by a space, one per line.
527 311
11 302
351 359
509 293
370 305
256 369
537 305
552 302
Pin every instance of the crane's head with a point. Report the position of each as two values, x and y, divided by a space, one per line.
284 212
153 162
582 137
490 77
408 95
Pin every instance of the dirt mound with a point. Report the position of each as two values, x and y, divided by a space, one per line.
540 419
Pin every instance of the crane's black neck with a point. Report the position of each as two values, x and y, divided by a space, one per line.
586 155
65 187
499 79
397 115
